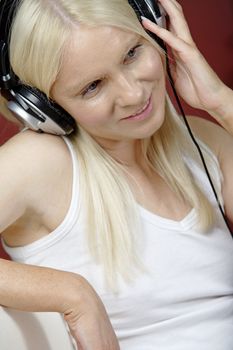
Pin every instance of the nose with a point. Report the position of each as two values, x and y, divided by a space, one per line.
129 91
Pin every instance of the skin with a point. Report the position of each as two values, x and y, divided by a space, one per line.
200 87
129 83
125 75
121 78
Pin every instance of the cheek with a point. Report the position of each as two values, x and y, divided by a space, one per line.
90 114
155 65
85 113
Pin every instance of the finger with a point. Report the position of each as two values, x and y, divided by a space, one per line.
178 23
177 44
177 4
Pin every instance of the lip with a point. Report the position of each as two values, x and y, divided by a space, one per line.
143 113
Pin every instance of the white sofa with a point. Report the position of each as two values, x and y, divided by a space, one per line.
33 331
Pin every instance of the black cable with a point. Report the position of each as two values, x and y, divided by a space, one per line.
196 144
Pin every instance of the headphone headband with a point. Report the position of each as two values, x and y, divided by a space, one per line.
154 12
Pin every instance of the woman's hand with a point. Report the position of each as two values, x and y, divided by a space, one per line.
38 289
194 79
88 321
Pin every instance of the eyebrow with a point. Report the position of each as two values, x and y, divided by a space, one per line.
79 86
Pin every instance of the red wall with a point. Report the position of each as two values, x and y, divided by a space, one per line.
210 22
211 25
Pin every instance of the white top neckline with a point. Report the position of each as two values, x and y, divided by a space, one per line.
185 224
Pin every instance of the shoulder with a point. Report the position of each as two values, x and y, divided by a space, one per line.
34 150
221 143
36 141
33 168
210 133
214 136
29 160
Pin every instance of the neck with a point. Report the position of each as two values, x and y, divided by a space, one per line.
126 152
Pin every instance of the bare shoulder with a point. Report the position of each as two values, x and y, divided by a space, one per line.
28 142
33 153
221 143
31 165
32 158
212 134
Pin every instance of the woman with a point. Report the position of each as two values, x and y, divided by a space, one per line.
118 224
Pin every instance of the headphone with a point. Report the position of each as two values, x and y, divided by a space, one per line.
153 11
37 112
29 105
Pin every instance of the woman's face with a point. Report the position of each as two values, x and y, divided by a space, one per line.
113 83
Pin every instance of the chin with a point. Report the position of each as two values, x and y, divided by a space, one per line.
152 127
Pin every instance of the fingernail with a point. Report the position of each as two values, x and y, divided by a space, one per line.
145 19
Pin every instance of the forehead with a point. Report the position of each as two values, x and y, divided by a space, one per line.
89 50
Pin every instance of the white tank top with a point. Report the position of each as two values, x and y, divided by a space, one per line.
184 302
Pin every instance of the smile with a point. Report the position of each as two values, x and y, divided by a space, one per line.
143 113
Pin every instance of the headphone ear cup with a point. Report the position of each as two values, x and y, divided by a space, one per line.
29 105
153 11
38 112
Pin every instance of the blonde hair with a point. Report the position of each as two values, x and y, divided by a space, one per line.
40 31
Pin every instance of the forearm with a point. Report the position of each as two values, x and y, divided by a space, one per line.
31 288
224 113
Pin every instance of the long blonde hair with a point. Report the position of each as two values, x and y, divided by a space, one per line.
40 31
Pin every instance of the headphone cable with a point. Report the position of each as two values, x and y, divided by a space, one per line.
195 143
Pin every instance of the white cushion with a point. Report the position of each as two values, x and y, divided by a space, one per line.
33 331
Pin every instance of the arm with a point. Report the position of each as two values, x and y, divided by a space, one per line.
194 79
32 288
19 287
224 113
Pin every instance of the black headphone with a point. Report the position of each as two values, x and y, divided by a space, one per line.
37 112
153 11
29 105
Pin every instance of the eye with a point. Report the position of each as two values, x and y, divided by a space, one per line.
132 53
91 88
